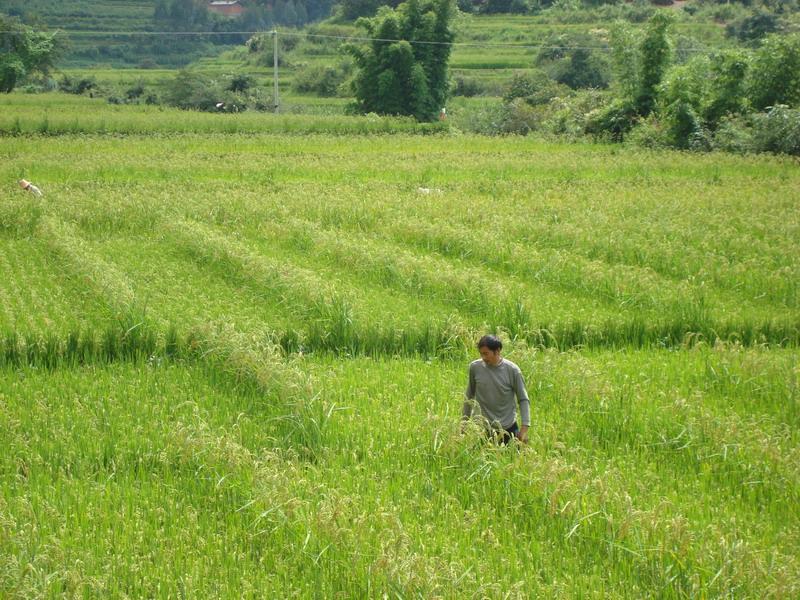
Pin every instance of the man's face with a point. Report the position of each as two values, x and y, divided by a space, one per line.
490 357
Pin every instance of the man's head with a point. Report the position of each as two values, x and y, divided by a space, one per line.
489 347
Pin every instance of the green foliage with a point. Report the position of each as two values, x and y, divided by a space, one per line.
777 130
191 90
240 82
534 87
654 53
754 27
727 92
397 77
613 121
468 87
321 80
626 62
775 73
351 10
23 51
583 69
77 85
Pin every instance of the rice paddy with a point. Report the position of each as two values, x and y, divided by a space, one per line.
233 350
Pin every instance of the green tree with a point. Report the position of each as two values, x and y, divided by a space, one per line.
775 73
23 51
727 94
403 70
654 54
625 60
583 69
353 9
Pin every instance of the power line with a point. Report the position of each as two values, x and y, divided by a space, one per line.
352 38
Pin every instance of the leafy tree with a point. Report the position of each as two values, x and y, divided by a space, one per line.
23 51
491 7
753 27
625 60
727 94
240 82
192 91
655 57
403 70
582 70
682 94
354 9
775 73
535 88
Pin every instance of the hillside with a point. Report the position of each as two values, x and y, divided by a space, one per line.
105 32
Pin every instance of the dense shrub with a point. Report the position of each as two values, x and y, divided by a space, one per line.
613 121
468 87
240 82
753 27
320 80
775 73
777 130
193 91
534 87
583 69
520 118
567 115
77 85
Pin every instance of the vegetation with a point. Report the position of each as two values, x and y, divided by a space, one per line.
232 360
403 70
23 51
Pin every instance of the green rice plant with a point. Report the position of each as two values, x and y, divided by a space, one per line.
65 243
11 349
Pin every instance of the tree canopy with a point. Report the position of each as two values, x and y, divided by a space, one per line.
23 51
403 69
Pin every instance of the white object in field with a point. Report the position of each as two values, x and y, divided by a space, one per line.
29 187
426 190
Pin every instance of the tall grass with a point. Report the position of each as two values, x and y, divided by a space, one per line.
644 475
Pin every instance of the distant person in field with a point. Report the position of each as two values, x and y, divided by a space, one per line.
29 187
496 385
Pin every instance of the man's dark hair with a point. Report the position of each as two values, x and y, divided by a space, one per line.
491 342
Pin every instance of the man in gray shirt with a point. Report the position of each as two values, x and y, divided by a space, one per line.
494 382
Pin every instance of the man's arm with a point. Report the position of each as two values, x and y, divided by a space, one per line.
469 398
524 407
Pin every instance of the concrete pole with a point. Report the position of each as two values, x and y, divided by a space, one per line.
275 69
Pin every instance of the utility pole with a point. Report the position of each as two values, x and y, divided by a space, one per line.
275 68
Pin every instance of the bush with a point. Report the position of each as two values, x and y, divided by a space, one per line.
135 91
468 87
320 80
567 115
777 130
774 72
612 122
583 70
753 27
734 134
648 133
535 88
193 91
77 85
521 118
240 82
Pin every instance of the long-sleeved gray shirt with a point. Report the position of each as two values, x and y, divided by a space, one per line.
495 388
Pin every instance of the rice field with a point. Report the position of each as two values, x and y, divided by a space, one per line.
233 350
